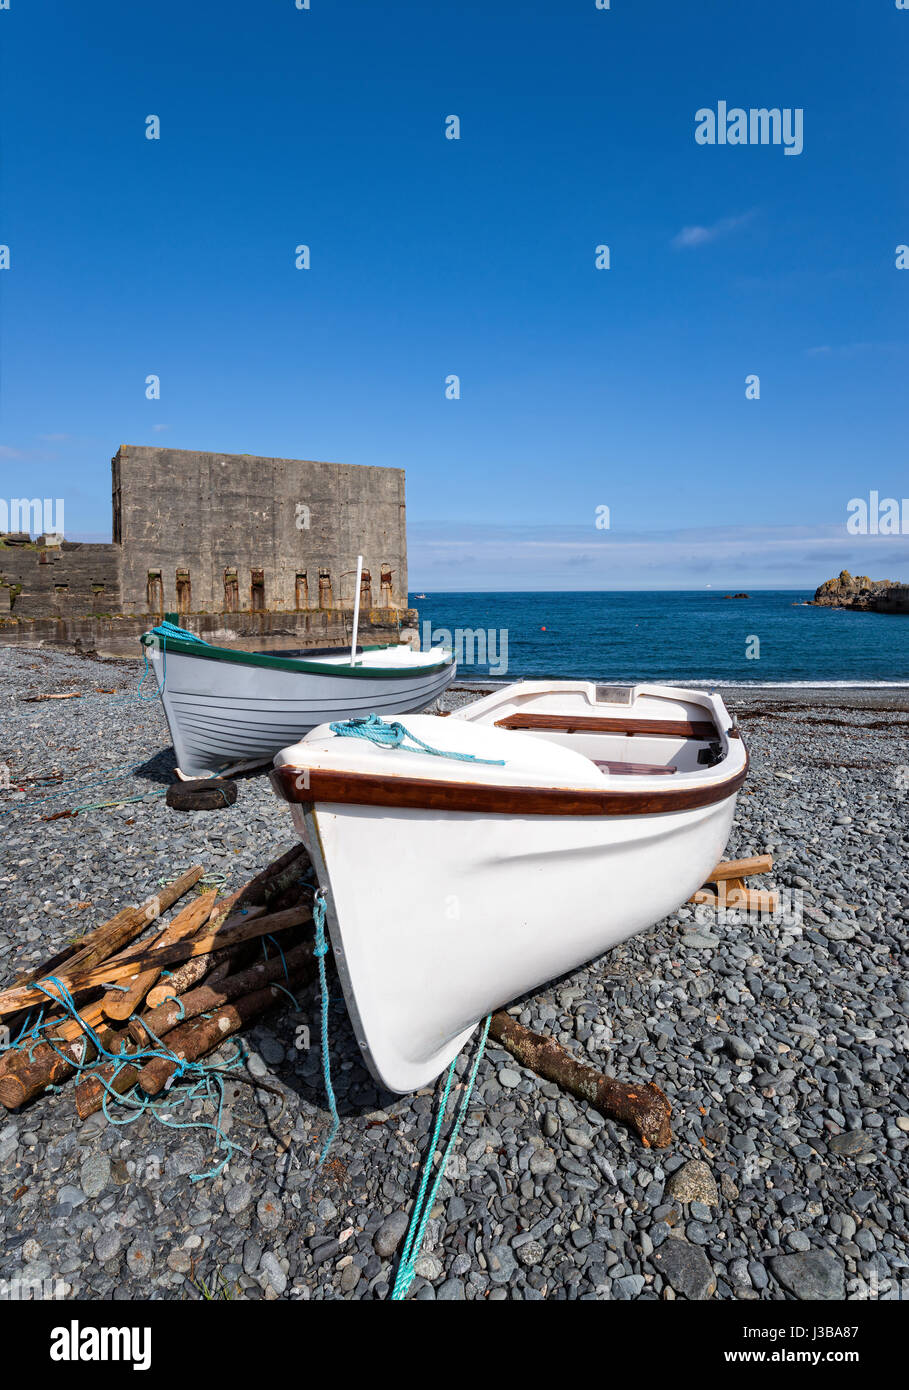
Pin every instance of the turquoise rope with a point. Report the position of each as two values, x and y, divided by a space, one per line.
392 735
425 1203
320 951
164 630
207 1082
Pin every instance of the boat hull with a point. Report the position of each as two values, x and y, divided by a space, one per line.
479 910
221 714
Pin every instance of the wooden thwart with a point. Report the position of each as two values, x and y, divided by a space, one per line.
611 724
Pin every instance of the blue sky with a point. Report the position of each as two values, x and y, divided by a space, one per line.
579 388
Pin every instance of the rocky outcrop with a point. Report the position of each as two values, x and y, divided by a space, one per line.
856 591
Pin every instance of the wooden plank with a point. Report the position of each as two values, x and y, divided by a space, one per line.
738 898
619 769
610 724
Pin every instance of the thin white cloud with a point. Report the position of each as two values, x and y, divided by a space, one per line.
702 235
449 556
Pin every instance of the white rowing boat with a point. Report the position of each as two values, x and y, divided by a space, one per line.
585 813
227 707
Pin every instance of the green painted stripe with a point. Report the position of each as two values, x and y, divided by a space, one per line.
285 663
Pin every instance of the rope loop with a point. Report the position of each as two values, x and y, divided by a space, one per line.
392 735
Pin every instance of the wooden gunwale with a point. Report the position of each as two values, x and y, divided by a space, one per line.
415 793
609 724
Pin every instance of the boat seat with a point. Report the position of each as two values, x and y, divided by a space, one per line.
634 769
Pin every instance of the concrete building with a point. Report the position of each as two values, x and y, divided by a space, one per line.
257 551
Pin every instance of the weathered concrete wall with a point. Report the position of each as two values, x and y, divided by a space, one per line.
256 632
68 580
207 513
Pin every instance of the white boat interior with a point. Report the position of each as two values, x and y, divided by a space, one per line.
627 731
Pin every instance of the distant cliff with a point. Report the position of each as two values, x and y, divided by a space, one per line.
858 591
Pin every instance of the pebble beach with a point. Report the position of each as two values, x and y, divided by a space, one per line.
781 1045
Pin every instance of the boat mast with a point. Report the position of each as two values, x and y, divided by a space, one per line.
356 620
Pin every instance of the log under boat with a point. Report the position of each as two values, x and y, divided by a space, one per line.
561 818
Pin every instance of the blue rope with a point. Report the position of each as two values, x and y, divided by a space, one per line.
207 1082
320 950
425 1202
392 735
164 630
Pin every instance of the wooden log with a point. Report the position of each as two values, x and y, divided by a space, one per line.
266 885
194 970
254 898
213 994
193 1040
643 1108
111 936
12 1000
120 1004
90 1092
27 1076
301 967
68 1030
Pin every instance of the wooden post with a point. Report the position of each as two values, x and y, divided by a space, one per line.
202 1035
643 1108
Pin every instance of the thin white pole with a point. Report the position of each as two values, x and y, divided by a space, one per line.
356 621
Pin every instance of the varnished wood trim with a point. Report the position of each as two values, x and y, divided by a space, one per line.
603 724
416 793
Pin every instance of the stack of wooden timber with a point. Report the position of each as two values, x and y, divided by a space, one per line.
195 982
138 985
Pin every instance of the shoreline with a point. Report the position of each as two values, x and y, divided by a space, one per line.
890 697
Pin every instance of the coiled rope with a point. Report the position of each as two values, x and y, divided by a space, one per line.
392 735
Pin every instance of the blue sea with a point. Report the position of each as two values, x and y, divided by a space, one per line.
699 637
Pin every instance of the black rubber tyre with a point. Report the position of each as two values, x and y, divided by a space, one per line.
206 794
